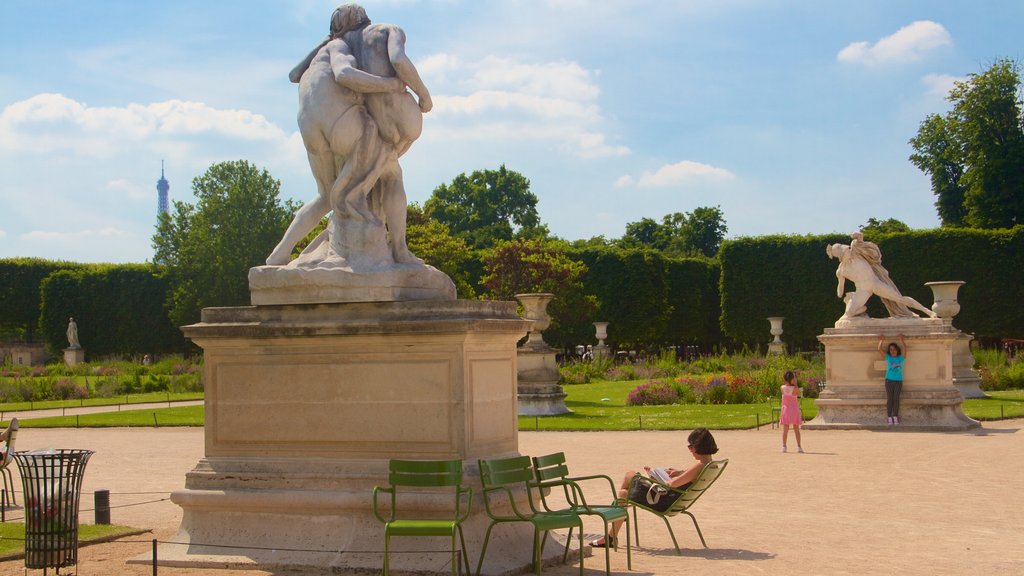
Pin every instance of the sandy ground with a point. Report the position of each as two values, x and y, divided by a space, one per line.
858 502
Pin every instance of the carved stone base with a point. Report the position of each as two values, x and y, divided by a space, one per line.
855 376
321 276
306 404
74 356
538 389
920 409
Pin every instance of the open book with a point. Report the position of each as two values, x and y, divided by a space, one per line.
661 476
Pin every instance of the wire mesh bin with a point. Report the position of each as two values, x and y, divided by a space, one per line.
52 482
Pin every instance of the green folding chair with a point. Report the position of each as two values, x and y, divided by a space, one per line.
682 505
417 475
501 478
552 473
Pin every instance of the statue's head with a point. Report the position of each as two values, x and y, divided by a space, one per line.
347 17
836 250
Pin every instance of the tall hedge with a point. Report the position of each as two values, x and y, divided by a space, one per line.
696 304
119 309
19 292
791 276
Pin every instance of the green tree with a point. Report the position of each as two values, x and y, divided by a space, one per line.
486 207
887 226
679 234
432 241
974 154
524 266
208 247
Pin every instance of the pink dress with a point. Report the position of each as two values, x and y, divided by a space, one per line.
790 413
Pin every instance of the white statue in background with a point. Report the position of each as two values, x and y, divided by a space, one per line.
72 334
356 118
861 262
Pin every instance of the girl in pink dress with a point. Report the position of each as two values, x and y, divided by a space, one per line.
790 413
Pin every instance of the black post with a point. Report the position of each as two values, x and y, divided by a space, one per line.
154 556
101 504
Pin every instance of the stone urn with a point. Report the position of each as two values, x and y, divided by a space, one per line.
776 346
600 332
535 308
945 298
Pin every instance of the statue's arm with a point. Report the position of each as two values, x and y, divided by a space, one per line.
842 283
405 69
343 64
296 74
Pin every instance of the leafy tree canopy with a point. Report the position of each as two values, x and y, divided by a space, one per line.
679 234
208 247
887 226
974 154
486 207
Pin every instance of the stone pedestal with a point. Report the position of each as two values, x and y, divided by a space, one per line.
540 394
539 391
776 346
965 378
854 396
74 356
305 404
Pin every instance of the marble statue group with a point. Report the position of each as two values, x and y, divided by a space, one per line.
861 262
356 118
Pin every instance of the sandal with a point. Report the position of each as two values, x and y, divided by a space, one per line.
605 542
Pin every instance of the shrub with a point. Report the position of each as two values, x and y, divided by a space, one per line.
652 393
718 391
574 373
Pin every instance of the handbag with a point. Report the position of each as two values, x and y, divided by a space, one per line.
648 494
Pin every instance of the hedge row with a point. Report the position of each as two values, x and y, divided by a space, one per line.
648 299
119 310
791 276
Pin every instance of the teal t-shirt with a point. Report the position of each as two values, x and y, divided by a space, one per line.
894 367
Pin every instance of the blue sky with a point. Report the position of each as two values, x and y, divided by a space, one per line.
792 116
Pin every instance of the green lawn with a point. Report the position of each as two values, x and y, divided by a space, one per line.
174 416
595 406
110 401
12 536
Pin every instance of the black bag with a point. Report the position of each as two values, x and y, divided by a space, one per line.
647 494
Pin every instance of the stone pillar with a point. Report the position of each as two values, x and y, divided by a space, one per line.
777 346
74 356
538 390
305 405
854 396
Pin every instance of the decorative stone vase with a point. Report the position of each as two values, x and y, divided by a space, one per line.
776 346
600 332
535 308
945 296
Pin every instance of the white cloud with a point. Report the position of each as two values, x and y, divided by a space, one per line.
680 173
940 84
908 44
129 189
47 123
549 103
64 237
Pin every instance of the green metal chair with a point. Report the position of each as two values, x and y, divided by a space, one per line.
416 475
7 457
552 473
689 496
504 476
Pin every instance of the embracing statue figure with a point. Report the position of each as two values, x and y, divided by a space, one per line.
861 262
356 118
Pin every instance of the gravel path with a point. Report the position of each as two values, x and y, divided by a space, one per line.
858 502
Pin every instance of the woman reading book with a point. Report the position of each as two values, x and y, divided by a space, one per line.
701 445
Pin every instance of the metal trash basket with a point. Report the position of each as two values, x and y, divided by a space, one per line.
52 482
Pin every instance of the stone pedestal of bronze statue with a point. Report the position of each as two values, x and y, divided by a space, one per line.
854 396
306 404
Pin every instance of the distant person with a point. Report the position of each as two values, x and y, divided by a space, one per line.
894 355
790 412
701 445
146 360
